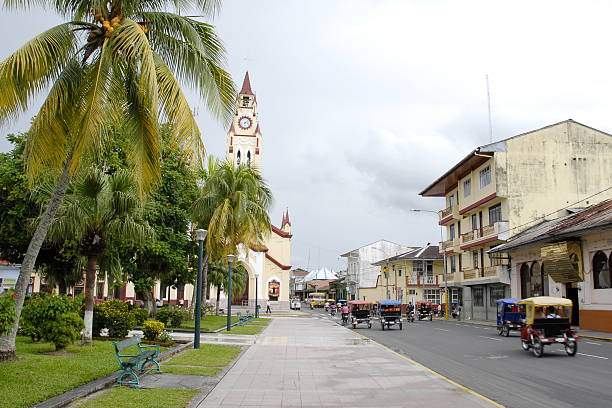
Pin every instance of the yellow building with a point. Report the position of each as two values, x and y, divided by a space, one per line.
409 277
502 188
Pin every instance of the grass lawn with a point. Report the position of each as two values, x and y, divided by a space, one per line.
141 398
209 323
36 377
244 330
209 355
188 370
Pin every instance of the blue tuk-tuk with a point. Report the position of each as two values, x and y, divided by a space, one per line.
510 316
390 313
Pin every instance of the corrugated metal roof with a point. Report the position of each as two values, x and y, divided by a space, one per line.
595 216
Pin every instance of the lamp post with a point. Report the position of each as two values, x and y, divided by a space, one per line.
256 294
201 236
230 259
446 309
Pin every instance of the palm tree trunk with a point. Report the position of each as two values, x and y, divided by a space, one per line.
90 284
63 289
217 302
7 342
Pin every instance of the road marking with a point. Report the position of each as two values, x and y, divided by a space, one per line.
590 342
490 338
437 328
590 355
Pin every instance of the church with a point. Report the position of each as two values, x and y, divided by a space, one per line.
268 266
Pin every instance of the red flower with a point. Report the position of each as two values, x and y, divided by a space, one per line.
37 300
13 296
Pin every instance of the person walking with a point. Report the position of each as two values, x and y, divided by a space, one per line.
268 310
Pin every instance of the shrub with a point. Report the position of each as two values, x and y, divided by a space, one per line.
67 329
172 316
7 312
165 337
140 315
152 329
52 318
114 315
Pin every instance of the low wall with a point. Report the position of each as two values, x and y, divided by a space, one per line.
597 320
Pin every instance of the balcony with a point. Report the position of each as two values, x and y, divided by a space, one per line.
471 273
424 280
498 231
452 211
449 245
488 274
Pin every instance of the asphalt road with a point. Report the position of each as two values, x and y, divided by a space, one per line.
476 357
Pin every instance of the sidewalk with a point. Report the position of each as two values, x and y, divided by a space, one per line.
581 333
299 362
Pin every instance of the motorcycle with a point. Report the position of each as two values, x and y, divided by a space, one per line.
411 316
333 311
345 317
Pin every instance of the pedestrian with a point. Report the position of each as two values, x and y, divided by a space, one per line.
439 310
268 310
459 308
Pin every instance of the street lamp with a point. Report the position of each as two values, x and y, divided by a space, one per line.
256 293
200 236
230 259
446 309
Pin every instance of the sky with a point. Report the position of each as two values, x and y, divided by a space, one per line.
364 103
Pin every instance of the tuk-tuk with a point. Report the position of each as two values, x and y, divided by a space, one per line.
423 310
390 313
547 321
360 313
510 316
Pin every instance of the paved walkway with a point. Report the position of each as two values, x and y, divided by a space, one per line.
312 362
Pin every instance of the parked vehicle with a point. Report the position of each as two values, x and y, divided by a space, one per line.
360 313
316 299
295 304
423 310
510 316
390 313
547 321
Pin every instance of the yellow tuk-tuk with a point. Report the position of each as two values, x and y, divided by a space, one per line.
547 321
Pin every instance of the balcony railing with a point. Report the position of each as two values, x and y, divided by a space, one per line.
445 212
471 273
499 229
424 280
469 236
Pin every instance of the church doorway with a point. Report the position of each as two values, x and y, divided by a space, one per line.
243 299
273 290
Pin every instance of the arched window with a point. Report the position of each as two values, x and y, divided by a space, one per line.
238 158
525 281
545 286
601 271
249 158
536 280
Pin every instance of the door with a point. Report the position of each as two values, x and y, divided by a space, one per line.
572 294
244 297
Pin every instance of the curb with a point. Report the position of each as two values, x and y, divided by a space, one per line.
99 384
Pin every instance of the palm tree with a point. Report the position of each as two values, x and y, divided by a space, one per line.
98 212
217 277
113 64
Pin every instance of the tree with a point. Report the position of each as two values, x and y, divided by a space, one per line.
99 210
123 69
218 277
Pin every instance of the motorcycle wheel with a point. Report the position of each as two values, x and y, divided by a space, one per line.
505 331
354 325
400 326
369 325
538 347
383 327
571 347
500 330
525 345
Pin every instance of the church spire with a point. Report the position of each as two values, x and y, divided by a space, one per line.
286 220
246 85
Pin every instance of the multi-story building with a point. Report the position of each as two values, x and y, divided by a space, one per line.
360 271
502 188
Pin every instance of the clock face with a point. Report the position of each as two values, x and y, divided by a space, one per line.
244 122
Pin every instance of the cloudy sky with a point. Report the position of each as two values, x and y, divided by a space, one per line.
364 103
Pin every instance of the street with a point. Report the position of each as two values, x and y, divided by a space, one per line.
496 367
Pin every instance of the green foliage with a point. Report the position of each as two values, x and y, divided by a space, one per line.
172 316
151 329
141 398
164 337
7 312
210 355
52 318
66 329
114 315
140 315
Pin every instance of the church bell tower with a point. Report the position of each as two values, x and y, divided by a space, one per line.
244 135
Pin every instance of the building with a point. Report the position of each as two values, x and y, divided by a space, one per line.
409 277
297 283
502 188
569 256
360 269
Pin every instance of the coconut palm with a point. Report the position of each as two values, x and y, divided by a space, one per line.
217 277
100 210
112 64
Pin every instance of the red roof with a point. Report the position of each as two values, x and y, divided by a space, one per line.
281 233
275 262
246 85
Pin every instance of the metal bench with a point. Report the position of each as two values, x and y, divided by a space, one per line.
132 364
243 320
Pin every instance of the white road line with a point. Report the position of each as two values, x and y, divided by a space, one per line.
590 342
590 355
490 338
437 328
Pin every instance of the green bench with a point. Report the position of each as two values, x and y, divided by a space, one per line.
242 320
131 364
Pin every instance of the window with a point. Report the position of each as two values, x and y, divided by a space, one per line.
399 272
467 187
485 177
453 264
245 101
525 281
432 295
475 259
412 291
417 267
536 280
451 200
249 158
497 292
474 221
601 271
238 158
429 267
451 231
495 214
478 296
454 295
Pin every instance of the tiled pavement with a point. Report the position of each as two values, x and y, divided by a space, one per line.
312 362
